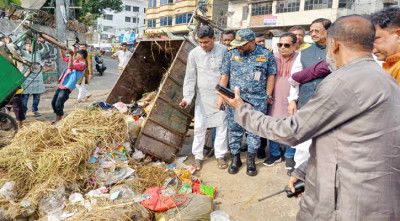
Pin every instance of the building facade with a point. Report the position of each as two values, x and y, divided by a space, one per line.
174 16
281 14
130 20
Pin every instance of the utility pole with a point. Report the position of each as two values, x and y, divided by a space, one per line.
60 31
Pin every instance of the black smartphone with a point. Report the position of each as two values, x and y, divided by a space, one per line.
229 93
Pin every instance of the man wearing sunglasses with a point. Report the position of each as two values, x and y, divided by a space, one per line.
252 68
287 47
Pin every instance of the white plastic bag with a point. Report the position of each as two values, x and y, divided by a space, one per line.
219 215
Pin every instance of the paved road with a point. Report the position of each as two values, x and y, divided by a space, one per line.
99 87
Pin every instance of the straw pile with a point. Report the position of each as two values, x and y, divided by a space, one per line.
149 176
106 210
42 157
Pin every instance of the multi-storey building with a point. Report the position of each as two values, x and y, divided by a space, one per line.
130 20
281 14
173 16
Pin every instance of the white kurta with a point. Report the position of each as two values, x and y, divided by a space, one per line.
202 75
302 150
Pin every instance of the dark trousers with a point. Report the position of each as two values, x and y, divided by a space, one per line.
18 108
35 103
59 99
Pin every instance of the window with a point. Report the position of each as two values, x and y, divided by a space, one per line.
134 20
152 3
127 19
317 4
127 8
107 28
108 17
183 18
151 23
166 21
345 3
144 21
288 6
144 10
164 2
103 36
135 9
245 12
264 8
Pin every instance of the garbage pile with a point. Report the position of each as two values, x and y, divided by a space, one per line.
135 113
85 169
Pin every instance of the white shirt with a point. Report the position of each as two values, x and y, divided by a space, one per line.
123 57
294 89
202 75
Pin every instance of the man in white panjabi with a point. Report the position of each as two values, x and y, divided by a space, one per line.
202 75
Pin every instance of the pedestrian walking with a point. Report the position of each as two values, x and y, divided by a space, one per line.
123 55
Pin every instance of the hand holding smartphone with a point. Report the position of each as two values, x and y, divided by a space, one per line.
229 93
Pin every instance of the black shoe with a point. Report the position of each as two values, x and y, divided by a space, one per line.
272 160
236 163
251 164
290 165
261 153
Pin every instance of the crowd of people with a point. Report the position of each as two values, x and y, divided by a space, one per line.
78 73
329 107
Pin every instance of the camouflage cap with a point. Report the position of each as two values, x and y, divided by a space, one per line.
242 37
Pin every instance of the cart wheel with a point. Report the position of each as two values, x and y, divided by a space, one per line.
8 129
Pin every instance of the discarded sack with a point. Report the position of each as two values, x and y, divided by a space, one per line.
158 202
197 207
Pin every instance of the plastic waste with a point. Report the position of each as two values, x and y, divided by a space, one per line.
7 191
138 155
219 215
99 193
76 198
125 192
123 108
53 203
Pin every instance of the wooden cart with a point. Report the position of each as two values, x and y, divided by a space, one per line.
158 65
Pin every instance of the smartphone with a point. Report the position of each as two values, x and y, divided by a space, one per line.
229 93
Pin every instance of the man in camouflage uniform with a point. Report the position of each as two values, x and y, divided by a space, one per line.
247 66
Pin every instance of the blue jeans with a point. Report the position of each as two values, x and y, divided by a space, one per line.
59 99
35 103
275 150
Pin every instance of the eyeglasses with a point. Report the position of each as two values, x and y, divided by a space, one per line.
285 45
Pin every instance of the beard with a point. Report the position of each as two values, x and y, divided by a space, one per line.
331 63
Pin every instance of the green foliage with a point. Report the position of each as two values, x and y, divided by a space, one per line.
96 7
5 3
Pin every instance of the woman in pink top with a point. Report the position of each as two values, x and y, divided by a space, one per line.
285 59
67 81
